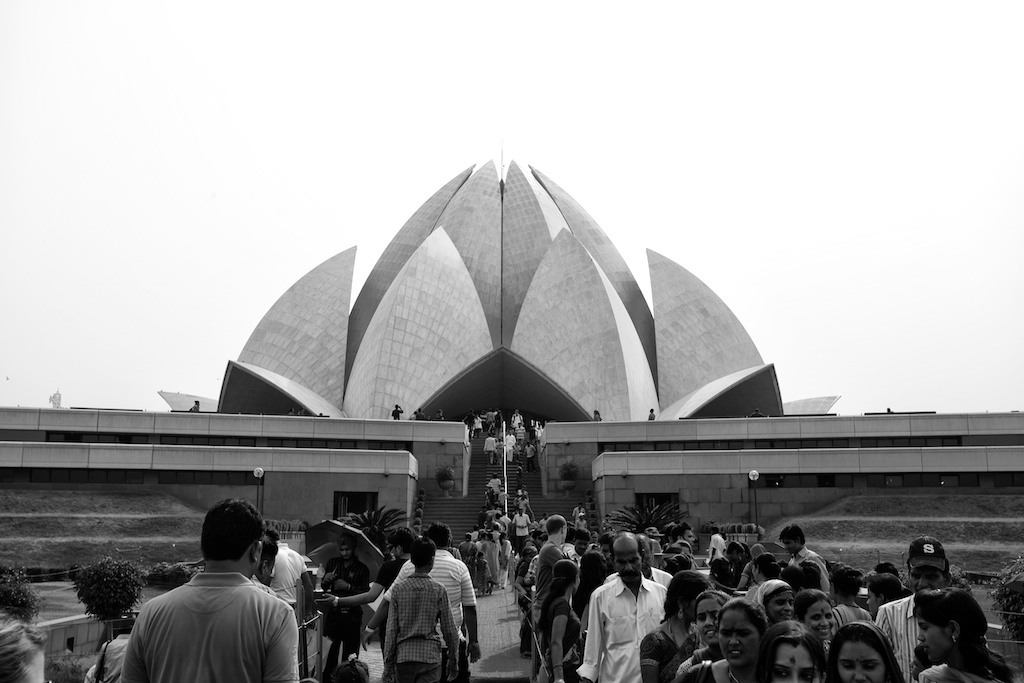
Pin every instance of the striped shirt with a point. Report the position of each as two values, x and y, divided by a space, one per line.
896 620
453 575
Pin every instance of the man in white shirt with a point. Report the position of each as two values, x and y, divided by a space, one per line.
289 566
622 612
716 548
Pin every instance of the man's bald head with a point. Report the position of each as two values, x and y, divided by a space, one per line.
627 559
626 541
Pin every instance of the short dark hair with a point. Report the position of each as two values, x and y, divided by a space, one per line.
884 584
440 533
886 568
230 527
269 549
582 535
733 547
423 550
792 532
271 533
403 538
846 580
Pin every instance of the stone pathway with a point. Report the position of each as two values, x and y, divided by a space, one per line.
498 630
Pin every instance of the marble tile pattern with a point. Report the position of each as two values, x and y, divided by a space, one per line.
303 337
611 262
699 338
568 328
524 241
473 221
429 326
416 229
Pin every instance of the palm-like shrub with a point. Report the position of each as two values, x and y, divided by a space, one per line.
377 524
632 518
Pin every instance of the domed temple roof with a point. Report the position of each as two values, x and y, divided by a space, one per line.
500 294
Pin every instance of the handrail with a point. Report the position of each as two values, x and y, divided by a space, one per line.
467 453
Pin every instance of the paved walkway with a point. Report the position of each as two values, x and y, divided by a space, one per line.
498 631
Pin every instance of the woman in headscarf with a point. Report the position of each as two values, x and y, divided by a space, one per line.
776 597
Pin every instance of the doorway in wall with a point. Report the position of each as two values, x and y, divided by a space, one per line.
346 502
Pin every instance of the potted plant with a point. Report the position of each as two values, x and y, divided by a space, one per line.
445 477
568 472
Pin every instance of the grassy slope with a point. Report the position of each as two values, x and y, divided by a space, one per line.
63 528
980 533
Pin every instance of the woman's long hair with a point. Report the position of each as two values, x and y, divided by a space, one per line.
686 585
869 634
792 633
563 575
593 572
942 606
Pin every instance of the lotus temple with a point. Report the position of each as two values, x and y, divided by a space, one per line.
503 292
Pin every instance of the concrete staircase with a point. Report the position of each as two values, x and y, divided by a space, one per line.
461 513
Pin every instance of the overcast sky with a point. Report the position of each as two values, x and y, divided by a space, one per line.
849 178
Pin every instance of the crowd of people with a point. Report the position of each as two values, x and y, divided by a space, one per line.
608 613
619 608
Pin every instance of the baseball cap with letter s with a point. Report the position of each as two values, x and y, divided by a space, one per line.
927 551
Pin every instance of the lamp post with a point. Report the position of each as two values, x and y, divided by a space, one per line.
258 473
753 476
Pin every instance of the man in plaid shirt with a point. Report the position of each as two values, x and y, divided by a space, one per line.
412 648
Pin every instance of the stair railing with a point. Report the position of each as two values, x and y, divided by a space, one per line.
504 464
467 452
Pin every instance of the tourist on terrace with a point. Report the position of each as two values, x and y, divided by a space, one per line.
396 414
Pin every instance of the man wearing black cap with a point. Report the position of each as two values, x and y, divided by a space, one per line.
929 569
